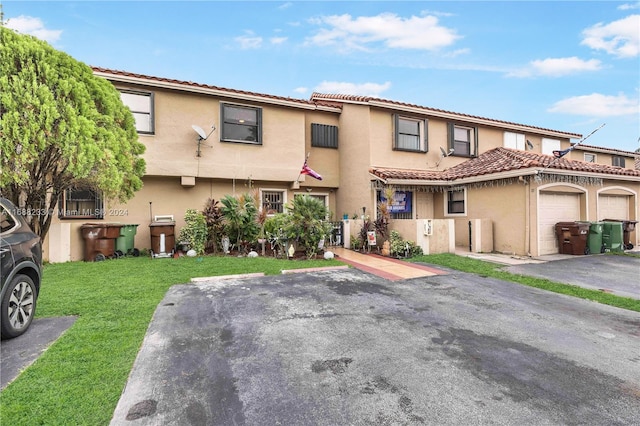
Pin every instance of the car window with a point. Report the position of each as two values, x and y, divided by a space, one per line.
7 222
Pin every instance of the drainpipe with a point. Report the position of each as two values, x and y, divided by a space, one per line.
527 217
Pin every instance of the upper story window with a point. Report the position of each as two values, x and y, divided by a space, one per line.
141 106
273 201
617 161
410 134
514 141
463 140
550 145
456 202
241 124
589 158
80 203
324 135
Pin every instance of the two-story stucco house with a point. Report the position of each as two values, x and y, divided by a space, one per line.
482 177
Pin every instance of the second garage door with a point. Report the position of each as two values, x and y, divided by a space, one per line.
555 207
613 207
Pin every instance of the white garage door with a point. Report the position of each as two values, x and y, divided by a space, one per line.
554 208
613 207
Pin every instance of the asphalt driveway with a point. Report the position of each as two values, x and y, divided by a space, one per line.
348 348
619 275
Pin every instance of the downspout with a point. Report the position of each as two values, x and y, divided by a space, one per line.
527 217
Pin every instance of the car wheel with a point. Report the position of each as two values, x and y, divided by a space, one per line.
18 306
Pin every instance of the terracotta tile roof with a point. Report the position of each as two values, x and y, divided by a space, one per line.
231 92
500 160
584 147
367 99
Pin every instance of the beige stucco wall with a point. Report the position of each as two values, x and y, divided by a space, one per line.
159 196
355 158
172 150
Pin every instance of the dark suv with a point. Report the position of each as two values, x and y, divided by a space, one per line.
21 263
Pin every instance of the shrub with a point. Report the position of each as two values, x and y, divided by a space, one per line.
215 224
240 220
400 247
195 230
307 223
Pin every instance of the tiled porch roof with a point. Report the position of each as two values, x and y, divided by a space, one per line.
500 160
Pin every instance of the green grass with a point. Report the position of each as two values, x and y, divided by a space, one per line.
79 379
493 270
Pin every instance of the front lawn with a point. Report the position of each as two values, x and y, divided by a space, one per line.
79 379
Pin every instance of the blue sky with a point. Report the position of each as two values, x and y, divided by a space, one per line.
568 66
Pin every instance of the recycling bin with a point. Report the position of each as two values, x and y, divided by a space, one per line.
99 240
594 240
612 236
572 237
163 239
627 228
125 241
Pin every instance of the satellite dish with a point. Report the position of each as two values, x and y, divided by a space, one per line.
444 153
529 144
200 132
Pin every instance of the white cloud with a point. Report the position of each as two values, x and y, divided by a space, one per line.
422 33
597 105
556 67
277 40
345 88
629 6
620 38
301 90
286 5
249 41
33 26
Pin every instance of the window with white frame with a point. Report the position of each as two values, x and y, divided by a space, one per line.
241 124
456 202
410 134
463 140
514 140
273 200
141 106
589 158
80 203
550 145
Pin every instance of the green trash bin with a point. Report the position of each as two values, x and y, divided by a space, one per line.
594 240
612 236
125 242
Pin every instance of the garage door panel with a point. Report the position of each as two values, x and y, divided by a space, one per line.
613 207
554 208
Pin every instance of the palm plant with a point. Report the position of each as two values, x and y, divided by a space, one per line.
240 215
307 222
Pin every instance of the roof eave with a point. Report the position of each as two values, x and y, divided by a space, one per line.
471 119
128 79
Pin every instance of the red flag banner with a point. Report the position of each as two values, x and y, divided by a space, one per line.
306 170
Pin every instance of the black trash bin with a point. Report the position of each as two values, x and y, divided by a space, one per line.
572 237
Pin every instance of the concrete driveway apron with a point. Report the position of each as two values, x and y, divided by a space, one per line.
349 348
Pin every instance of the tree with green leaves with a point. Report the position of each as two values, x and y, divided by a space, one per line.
60 127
